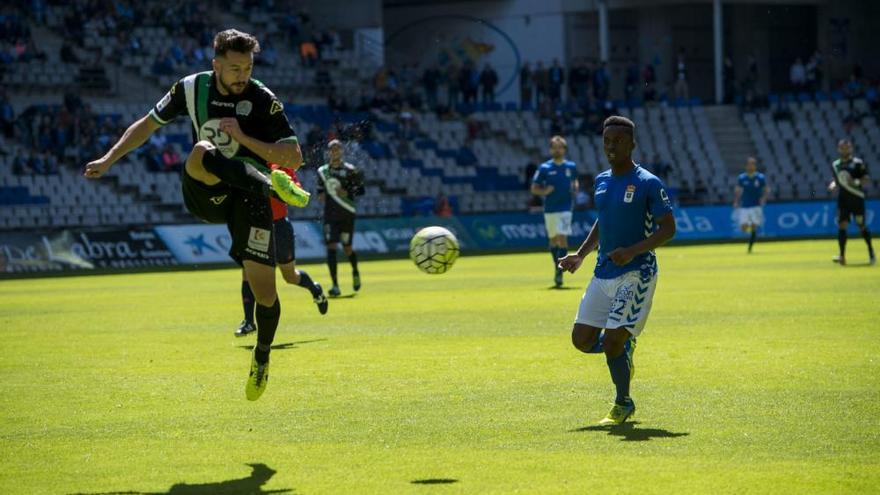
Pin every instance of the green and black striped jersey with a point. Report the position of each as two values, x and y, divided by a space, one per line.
849 175
259 113
348 178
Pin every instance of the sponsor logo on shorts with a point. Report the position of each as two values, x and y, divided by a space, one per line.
259 239
256 253
217 200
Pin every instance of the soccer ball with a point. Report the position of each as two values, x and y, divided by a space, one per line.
434 250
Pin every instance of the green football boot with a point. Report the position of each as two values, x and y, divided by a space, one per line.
257 379
288 191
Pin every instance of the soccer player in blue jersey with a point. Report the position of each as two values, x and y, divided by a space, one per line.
749 198
634 217
556 181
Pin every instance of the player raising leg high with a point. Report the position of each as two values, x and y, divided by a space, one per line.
634 217
339 184
749 198
285 256
850 177
240 126
556 181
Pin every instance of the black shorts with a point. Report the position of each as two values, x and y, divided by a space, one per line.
247 216
848 206
285 242
339 231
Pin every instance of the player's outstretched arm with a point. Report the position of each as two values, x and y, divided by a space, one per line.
737 193
765 195
136 135
572 262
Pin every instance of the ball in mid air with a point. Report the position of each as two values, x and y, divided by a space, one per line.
434 250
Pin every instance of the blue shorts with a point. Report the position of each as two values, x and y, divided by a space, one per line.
285 245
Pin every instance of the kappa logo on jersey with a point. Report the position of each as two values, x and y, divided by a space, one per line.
165 99
259 239
217 200
629 194
276 107
244 108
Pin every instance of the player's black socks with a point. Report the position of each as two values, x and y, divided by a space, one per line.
554 252
331 264
306 282
620 375
237 173
752 239
267 323
353 259
866 235
247 301
841 241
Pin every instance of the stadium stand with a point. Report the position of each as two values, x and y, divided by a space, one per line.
476 155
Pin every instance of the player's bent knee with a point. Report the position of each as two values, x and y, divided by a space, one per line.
194 166
583 338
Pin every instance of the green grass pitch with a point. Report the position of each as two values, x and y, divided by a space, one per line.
755 374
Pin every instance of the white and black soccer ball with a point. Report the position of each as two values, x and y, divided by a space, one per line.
434 250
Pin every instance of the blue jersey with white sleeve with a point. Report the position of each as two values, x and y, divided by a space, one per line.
752 189
627 206
562 178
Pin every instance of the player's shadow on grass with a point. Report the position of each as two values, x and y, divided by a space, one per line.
343 296
283 346
252 485
564 287
630 433
434 481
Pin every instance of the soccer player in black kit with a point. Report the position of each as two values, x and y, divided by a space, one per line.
339 183
850 177
239 126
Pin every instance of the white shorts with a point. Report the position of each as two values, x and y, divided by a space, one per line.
624 301
558 223
750 216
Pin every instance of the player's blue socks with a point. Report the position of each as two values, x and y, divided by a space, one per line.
247 301
331 264
267 323
306 282
620 375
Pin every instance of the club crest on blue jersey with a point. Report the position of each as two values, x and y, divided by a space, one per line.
629 194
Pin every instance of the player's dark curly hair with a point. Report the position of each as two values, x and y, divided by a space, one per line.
236 41
617 120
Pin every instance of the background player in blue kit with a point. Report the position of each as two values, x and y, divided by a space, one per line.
749 198
556 181
634 217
